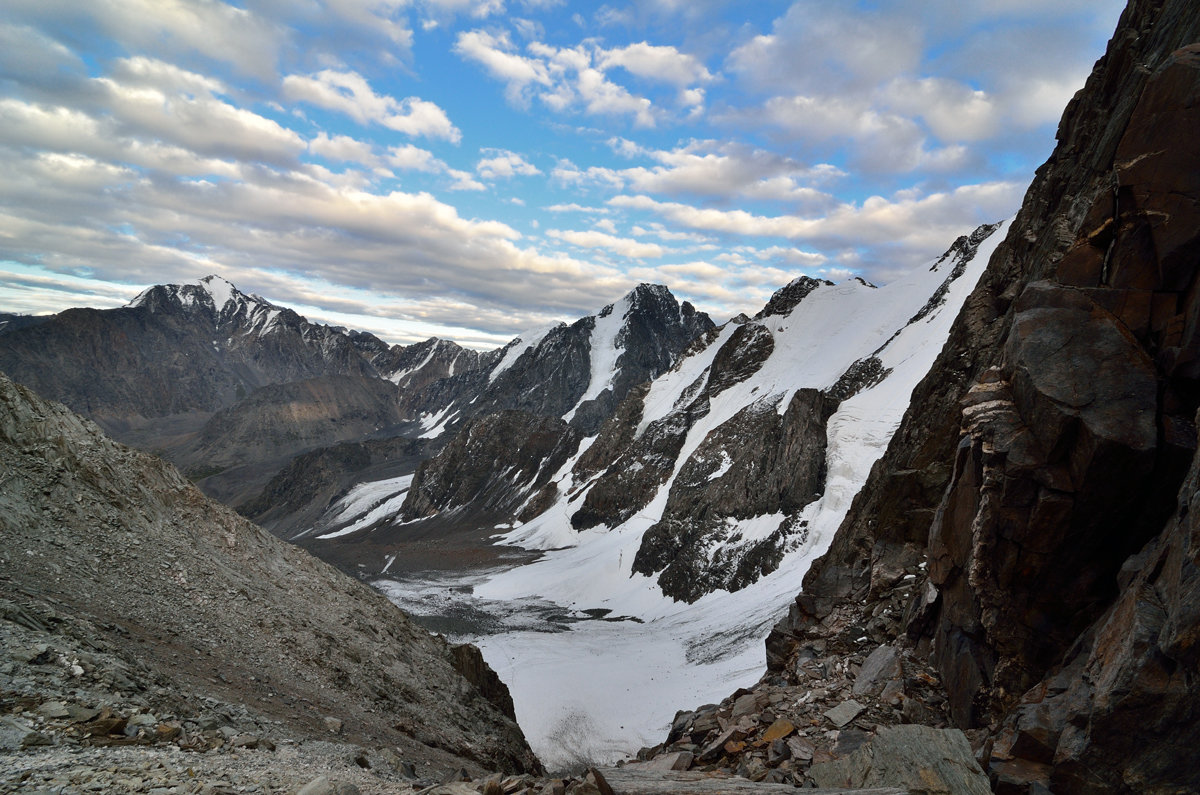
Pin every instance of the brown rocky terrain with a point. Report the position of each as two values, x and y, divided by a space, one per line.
137 611
1042 470
238 449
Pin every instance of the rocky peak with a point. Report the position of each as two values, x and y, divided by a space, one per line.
211 292
578 371
786 298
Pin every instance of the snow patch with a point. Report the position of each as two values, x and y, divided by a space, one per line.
220 290
603 689
368 503
515 349
604 352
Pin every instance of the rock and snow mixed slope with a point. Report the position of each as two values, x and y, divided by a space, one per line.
549 388
722 480
577 372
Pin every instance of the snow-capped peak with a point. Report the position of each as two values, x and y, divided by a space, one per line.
220 290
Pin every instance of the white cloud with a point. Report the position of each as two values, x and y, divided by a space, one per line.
829 50
884 141
709 169
653 62
576 78
342 148
220 31
413 158
576 208
33 57
919 222
495 54
625 247
349 92
953 110
464 180
503 164
475 8
150 99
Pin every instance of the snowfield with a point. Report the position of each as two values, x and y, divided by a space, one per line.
595 690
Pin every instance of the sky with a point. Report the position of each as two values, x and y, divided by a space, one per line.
469 169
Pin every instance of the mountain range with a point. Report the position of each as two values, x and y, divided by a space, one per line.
982 472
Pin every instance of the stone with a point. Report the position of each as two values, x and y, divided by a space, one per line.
79 714
452 788
54 709
778 730
714 750
745 705
881 665
918 758
892 693
324 785
679 760
843 713
801 748
777 752
333 725
597 780
15 735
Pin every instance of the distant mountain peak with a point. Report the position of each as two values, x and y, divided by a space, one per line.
786 298
212 290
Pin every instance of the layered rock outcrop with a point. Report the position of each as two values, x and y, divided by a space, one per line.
1048 445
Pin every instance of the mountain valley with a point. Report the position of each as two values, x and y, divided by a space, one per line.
980 473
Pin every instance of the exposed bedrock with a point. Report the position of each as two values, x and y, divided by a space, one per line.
1039 467
758 463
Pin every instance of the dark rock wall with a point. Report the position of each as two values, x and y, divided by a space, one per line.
296 497
492 466
758 463
1048 444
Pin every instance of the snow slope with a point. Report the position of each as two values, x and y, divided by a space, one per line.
604 688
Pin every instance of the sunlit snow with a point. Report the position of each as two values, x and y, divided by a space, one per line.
604 688
604 353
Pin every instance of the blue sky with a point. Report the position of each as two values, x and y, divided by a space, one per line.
472 168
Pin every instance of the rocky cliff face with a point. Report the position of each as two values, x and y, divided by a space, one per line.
414 367
182 604
1048 445
714 464
175 349
482 470
240 447
578 372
